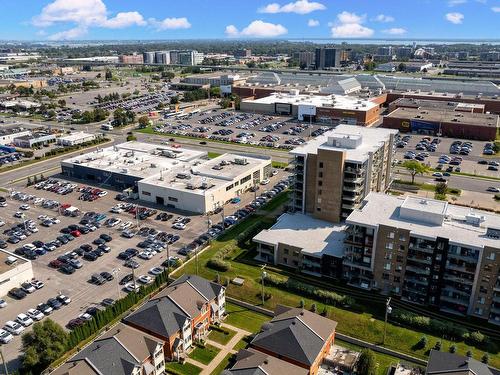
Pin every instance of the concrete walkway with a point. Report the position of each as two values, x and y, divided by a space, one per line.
224 350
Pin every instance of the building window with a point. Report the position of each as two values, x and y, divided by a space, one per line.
385 276
387 266
402 247
295 263
397 279
295 253
390 235
491 256
318 209
173 199
286 251
478 311
285 260
320 175
481 300
321 164
146 193
320 191
245 179
320 183
389 245
402 238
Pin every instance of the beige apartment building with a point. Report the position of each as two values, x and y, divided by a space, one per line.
334 172
426 251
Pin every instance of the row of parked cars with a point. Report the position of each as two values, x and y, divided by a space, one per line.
24 320
461 148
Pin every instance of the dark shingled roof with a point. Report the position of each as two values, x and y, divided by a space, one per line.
160 316
443 362
253 362
296 334
207 288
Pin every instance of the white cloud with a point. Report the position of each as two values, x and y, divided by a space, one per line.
75 33
455 17
349 25
257 29
348 17
384 18
351 30
299 7
81 12
395 31
125 19
452 3
312 23
171 23
496 9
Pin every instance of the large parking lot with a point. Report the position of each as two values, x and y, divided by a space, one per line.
242 127
474 162
94 205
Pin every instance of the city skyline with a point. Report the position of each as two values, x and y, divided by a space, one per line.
61 20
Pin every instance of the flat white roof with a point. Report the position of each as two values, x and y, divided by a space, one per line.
461 225
334 101
367 140
76 136
315 237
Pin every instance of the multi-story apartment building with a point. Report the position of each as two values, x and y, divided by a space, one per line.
162 57
122 350
335 171
426 251
180 314
148 57
327 57
305 58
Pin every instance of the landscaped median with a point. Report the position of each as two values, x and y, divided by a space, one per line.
362 319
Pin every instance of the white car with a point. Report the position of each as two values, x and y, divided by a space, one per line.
3 204
2 303
103 193
126 225
13 327
145 255
265 181
493 189
128 234
437 174
24 320
64 299
155 271
24 207
43 217
35 314
179 226
55 220
5 337
2 223
131 287
37 284
145 279
85 316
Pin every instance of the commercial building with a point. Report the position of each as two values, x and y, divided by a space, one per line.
76 138
149 57
426 251
180 314
34 140
191 57
305 59
224 81
327 58
243 53
123 350
490 56
174 177
8 134
18 103
403 52
385 51
425 104
297 336
335 171
130 59
14 270
330 109
162 57
480 126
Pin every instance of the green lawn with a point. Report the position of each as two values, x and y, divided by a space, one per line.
204 355
212 155
243 318
242 344
228 360
185 369
221 337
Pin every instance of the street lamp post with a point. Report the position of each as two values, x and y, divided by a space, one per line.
388 310
263 276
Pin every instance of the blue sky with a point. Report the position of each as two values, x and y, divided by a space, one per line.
190 19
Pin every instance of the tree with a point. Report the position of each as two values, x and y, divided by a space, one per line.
366 363
415 167
108 75
43 345
369 65
314 308
174 100
143 121
402 67
453 348
485 358
469 353
437 346
62 103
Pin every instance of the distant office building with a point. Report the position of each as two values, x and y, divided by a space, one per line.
162 57
345 55
463 55
385 50
334 172
190 57
404 52
148 57
327 57
130 59
304 58
243 53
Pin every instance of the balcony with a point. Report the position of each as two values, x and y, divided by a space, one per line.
355 189
417 280
496 298
451 289
356 264
429 249
357 180
419 259
466 258
357 172
495 309
421 271
349 206
460 268
457 300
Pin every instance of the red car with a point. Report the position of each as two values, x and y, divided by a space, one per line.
76 233
55 263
